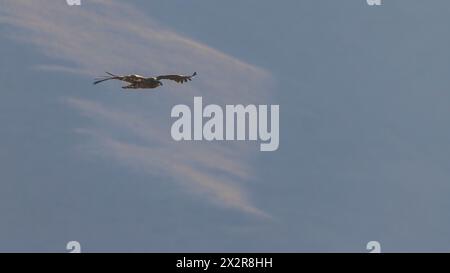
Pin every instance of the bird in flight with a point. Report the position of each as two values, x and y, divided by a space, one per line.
140 82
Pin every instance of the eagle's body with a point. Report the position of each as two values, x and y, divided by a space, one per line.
140 82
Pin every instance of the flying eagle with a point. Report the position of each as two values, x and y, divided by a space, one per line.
140 82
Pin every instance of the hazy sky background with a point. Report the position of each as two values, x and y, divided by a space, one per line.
365 111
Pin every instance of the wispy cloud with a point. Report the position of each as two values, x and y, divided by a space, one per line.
112 35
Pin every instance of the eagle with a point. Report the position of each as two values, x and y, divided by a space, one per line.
140 82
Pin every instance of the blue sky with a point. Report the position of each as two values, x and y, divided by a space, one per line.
364 148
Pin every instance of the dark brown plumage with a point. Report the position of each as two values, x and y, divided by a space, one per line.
140 82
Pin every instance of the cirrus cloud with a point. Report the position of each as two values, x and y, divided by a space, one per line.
112 35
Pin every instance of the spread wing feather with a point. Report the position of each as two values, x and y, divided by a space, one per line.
128 78
177 78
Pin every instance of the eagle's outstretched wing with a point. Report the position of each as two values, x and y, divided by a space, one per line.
177 78
128 78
